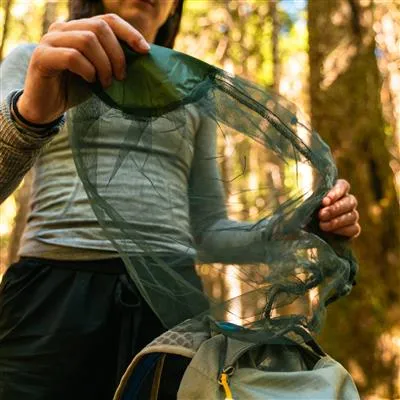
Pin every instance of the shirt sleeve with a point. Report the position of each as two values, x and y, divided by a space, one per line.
19 148
217 238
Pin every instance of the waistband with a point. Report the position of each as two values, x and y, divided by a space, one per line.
112 266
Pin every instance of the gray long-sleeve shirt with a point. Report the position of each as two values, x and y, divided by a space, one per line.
62 225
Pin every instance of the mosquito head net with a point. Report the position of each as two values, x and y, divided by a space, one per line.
183 160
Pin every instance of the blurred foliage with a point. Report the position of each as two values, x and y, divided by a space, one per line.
26 22
346 107
239 37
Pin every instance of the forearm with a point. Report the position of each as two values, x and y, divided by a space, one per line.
234 242
218 238
19 149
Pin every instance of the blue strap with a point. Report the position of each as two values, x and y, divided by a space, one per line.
135 381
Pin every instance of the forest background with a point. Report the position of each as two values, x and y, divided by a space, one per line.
339 61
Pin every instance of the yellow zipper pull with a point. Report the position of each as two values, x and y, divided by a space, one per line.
224 382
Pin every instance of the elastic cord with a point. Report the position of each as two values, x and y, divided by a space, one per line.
19 118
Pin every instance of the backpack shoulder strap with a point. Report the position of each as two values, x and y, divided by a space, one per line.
182 340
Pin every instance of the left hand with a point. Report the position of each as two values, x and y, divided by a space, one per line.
339 213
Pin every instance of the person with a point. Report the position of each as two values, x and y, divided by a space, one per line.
70 318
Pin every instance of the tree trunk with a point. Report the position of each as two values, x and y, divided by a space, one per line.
346 110
7 12
276 63
50 15
387 29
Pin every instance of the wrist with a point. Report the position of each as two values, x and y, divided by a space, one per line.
23 119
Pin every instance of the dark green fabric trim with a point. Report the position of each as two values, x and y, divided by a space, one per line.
167 80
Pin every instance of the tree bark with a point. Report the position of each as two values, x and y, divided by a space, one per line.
50 15
387 29
276 62
345 103
7 12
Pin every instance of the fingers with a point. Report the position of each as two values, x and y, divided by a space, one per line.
351 231
342 221
86 43
341 188
338 214
344 205
126 32
104 36
97 39
55 59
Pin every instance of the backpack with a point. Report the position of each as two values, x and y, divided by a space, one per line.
221 367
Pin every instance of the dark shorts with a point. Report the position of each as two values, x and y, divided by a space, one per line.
68 330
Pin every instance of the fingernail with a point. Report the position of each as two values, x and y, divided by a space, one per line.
144 45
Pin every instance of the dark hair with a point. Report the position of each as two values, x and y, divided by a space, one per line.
165 36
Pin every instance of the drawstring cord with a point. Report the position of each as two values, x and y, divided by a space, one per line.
131 316
224 382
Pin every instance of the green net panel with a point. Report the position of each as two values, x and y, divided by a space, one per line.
182 160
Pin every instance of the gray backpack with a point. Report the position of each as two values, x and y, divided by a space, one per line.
225 368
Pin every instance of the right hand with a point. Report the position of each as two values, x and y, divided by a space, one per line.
71 51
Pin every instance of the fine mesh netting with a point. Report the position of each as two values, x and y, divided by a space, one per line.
184 161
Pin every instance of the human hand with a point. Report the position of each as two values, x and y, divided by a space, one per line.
72 51
339 213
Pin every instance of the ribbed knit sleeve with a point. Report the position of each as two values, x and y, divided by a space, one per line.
19 148
218 238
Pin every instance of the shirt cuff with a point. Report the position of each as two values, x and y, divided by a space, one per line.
22 137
